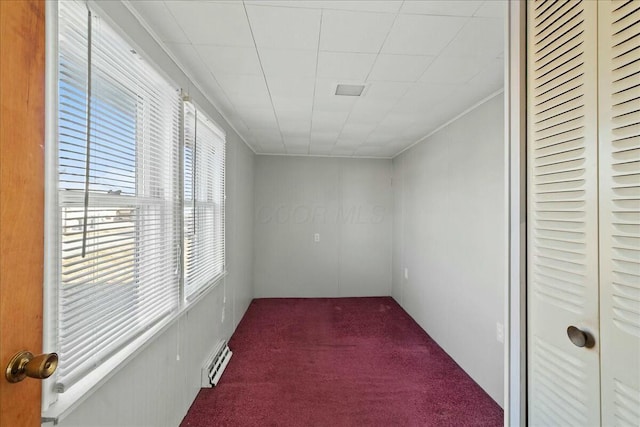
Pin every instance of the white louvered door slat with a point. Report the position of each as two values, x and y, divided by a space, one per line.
563 212
619 166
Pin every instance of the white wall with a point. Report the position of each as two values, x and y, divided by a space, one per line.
347 201
156 389
450 233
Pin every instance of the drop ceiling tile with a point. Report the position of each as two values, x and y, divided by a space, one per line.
423 96
453 70
381 137
296 135
483 37
386 90
390 6
324 137
156 14
399 68
307 4
259 118
325 128
320 150
288 62
284 28
294 115
266 139
441 7
492 9
294 126
291 87
422 34
326 88
243 84
327 141
230 60
329 119
270 134
369 111
221 24
348 143
356 131
344 65
371 105
370 151
297 149
269 141
367 117
296 141
395 122
251 101
343 103
345 31
290 103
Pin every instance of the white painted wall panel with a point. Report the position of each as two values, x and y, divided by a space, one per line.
348 202
239 217
155 388
450 233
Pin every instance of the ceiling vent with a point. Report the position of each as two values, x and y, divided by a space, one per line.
349 90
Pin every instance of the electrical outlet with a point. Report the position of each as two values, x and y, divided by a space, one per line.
316 237
500 332
406 273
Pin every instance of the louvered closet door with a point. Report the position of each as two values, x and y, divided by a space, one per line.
562 147
619 126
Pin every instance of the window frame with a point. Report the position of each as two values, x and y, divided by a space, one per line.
218 207
55 405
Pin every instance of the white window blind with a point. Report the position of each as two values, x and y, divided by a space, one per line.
119 194
204 168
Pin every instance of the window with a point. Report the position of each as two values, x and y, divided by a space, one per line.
140 198
203 201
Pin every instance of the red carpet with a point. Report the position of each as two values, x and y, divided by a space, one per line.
339 362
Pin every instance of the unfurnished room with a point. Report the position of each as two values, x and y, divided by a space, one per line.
319 213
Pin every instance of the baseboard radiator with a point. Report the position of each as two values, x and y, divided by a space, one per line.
215 365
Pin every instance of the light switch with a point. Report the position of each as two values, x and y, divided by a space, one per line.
316 237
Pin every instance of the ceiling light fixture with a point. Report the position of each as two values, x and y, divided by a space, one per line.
349 90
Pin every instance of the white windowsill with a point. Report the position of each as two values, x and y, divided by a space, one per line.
69 400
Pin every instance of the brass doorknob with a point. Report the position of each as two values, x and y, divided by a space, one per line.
23 364
580 338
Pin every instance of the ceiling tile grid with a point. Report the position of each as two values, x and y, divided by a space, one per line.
272 67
